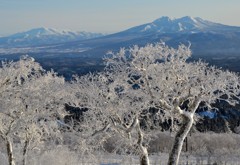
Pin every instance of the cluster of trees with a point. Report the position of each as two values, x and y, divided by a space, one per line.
30 100
126 104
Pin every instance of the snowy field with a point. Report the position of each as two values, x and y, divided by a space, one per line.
67 158
204 149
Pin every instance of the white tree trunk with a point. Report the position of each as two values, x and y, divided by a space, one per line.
10 152
179 139
144 159
25 150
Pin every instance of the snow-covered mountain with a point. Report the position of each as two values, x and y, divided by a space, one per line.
185 24
216 43
44 36
207 38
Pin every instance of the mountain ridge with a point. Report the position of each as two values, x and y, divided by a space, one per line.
166 24
206 37
44 36
215 43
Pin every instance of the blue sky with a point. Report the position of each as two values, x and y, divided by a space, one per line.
108 16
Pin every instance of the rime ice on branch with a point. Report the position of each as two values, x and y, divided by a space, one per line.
31 100
156 75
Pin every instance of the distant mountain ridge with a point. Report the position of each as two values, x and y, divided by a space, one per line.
185 24
71 52
44 36
208 39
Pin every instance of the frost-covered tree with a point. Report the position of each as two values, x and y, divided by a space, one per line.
31 100
117 112
162 76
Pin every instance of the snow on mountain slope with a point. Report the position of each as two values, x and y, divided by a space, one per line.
206 37
185 24
44 36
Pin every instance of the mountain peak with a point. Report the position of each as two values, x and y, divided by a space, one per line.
186 24
187 19
43 35
41 31
164 19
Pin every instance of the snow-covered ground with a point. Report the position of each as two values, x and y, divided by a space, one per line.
204 149
58 157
